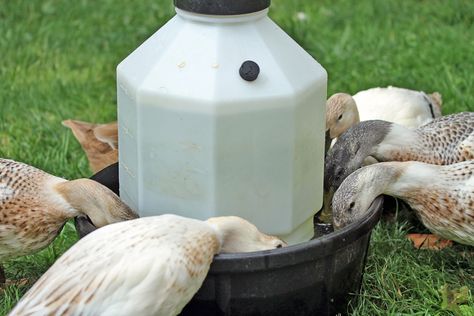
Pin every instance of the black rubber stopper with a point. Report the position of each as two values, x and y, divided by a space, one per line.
222 7
249 70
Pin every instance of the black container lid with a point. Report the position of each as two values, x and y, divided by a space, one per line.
222 7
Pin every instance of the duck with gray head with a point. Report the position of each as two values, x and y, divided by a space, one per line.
441 196
445 140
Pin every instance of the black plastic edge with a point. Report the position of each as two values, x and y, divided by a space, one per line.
283 257
109 176
299 253
222 7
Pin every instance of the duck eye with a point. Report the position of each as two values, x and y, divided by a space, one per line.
279 245
339 118
351 206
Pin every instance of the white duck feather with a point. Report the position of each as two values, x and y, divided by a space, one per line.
147 266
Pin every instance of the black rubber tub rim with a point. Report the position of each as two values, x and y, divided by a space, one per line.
300 253
312 250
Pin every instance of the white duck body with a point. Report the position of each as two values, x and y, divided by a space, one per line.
402 106
442 196
147 266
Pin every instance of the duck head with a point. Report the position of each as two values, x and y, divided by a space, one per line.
341 114
351 200
357 192
352 148
92 199
238 235
350 151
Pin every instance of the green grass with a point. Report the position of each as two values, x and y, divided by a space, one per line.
58 61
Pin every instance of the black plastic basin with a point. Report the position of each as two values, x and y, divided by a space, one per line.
312 278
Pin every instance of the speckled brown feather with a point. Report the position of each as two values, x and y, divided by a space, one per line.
442 196
446 206
446 140
99 141
35 205
26 225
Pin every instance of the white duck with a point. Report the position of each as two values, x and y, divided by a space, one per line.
147 266
442 196
402 106
35 205
445 140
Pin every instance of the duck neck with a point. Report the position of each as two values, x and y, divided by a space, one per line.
87 197
415 177
400 144
80 199
382 177
218 233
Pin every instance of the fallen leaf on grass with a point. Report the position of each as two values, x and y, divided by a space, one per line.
8 282
20 282
455 300
429 241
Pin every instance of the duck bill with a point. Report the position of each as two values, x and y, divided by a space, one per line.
84 226
326 213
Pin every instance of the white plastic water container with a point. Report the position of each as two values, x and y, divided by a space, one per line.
202 134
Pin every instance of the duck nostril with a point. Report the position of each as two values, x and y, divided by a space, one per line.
279 246
351 207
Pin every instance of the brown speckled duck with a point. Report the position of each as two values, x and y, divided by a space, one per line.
147 266
99 141
35 205
442 196
445 140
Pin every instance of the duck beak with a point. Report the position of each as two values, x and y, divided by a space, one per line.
83 226
326 214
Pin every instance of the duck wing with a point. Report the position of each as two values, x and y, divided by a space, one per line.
406 107
147 266
30 217
451 138
466 148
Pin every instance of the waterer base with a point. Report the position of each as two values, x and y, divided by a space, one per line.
302 233
317 277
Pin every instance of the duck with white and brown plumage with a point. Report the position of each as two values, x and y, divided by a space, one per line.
445 140
441 196
147 266
34 206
